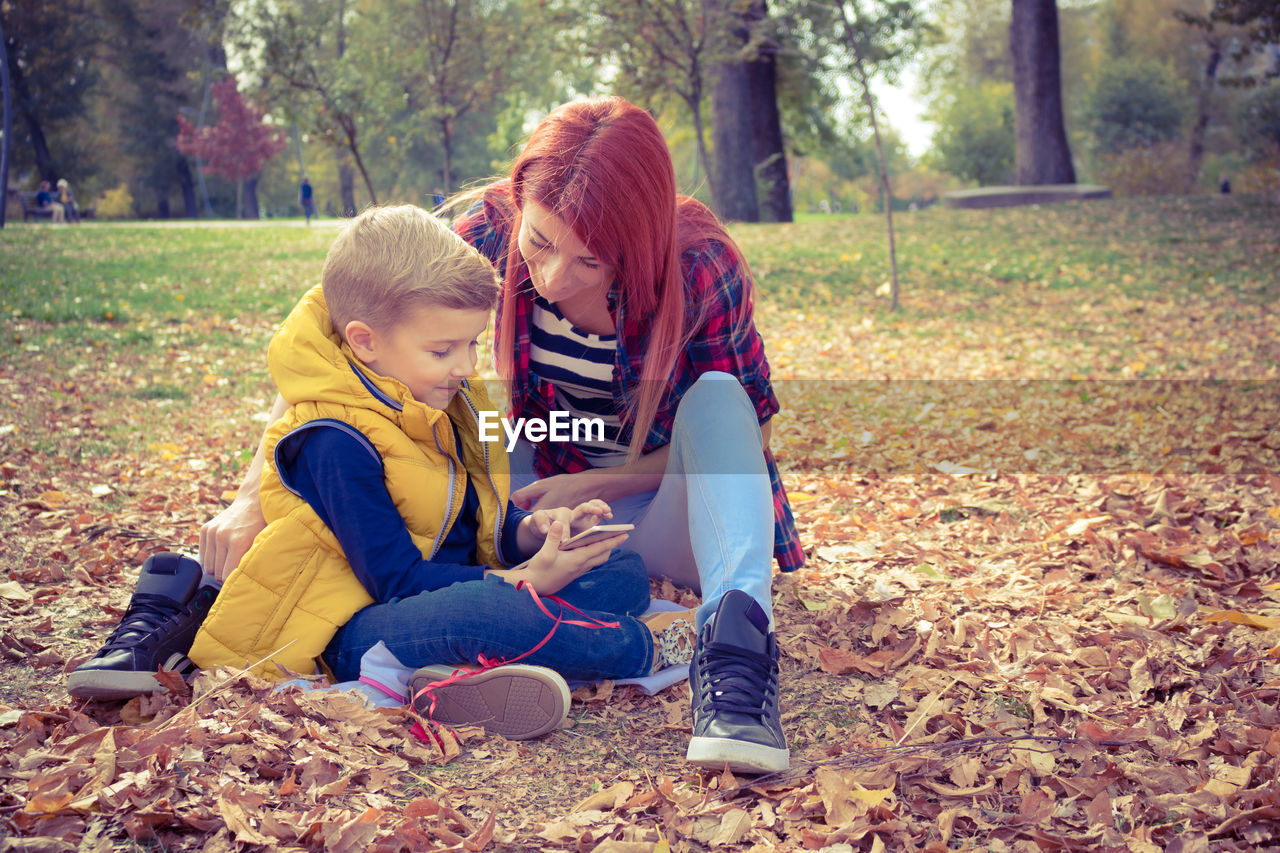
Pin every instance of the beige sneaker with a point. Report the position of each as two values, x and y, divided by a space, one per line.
515 700
674 637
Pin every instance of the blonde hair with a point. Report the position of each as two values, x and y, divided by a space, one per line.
392 259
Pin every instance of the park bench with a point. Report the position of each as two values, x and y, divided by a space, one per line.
987 197
30 209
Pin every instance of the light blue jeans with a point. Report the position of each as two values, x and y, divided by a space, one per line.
709 525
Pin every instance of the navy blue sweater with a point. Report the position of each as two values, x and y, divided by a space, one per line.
334 472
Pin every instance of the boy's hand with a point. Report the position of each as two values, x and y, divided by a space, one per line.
532 533
551 570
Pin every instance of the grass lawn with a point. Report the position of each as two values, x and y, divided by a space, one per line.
1041 504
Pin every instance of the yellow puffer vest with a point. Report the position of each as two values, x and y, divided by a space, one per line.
294 588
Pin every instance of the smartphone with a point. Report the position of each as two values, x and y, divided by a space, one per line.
594 534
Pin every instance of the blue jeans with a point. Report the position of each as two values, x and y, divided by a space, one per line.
709 526
490 617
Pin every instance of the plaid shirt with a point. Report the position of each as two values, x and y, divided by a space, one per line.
714 278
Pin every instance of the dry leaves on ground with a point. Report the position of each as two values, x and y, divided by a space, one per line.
1038 614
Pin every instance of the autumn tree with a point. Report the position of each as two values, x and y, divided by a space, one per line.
238 146
447 60
52 53
768 146
665 46
750 159
1230 32
974 137
6 104
860 40
1042 154
151 57
313 60
732 172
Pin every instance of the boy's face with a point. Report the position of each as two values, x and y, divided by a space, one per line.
431 350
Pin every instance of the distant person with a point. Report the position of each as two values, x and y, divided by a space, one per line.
824 206
44 201
437 199
1224 186
70 211
835 206
307 199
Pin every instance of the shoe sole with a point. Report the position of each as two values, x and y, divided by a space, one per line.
108 684
741 756
516 701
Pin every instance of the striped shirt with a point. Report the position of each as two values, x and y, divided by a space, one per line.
579 366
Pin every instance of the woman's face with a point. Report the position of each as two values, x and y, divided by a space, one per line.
561 266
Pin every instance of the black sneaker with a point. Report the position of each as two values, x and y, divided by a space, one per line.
734 680
155 633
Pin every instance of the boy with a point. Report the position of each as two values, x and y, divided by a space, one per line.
388 519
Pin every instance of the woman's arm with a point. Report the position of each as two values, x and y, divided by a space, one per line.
225 538
608 484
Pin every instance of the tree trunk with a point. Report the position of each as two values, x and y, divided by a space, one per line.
205 96
734 184
700 136
869 101
45 165
188 184
346 176
346 186
1195 154
766 131
297 145
6 144
239 199
251 210
446 143
364 174
1042 155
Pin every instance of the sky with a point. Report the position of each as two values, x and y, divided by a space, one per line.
904 108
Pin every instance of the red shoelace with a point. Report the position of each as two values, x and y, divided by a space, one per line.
487 663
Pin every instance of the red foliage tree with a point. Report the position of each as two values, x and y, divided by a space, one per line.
238 146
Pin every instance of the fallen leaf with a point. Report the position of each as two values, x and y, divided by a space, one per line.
13 591
1238 617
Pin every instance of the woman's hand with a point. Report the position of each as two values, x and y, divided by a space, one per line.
581 517
560 490
225 538
610 484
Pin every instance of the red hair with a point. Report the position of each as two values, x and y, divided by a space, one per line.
602 165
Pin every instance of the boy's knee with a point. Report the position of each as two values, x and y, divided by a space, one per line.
632 581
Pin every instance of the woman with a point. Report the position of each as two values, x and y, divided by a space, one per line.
624 302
